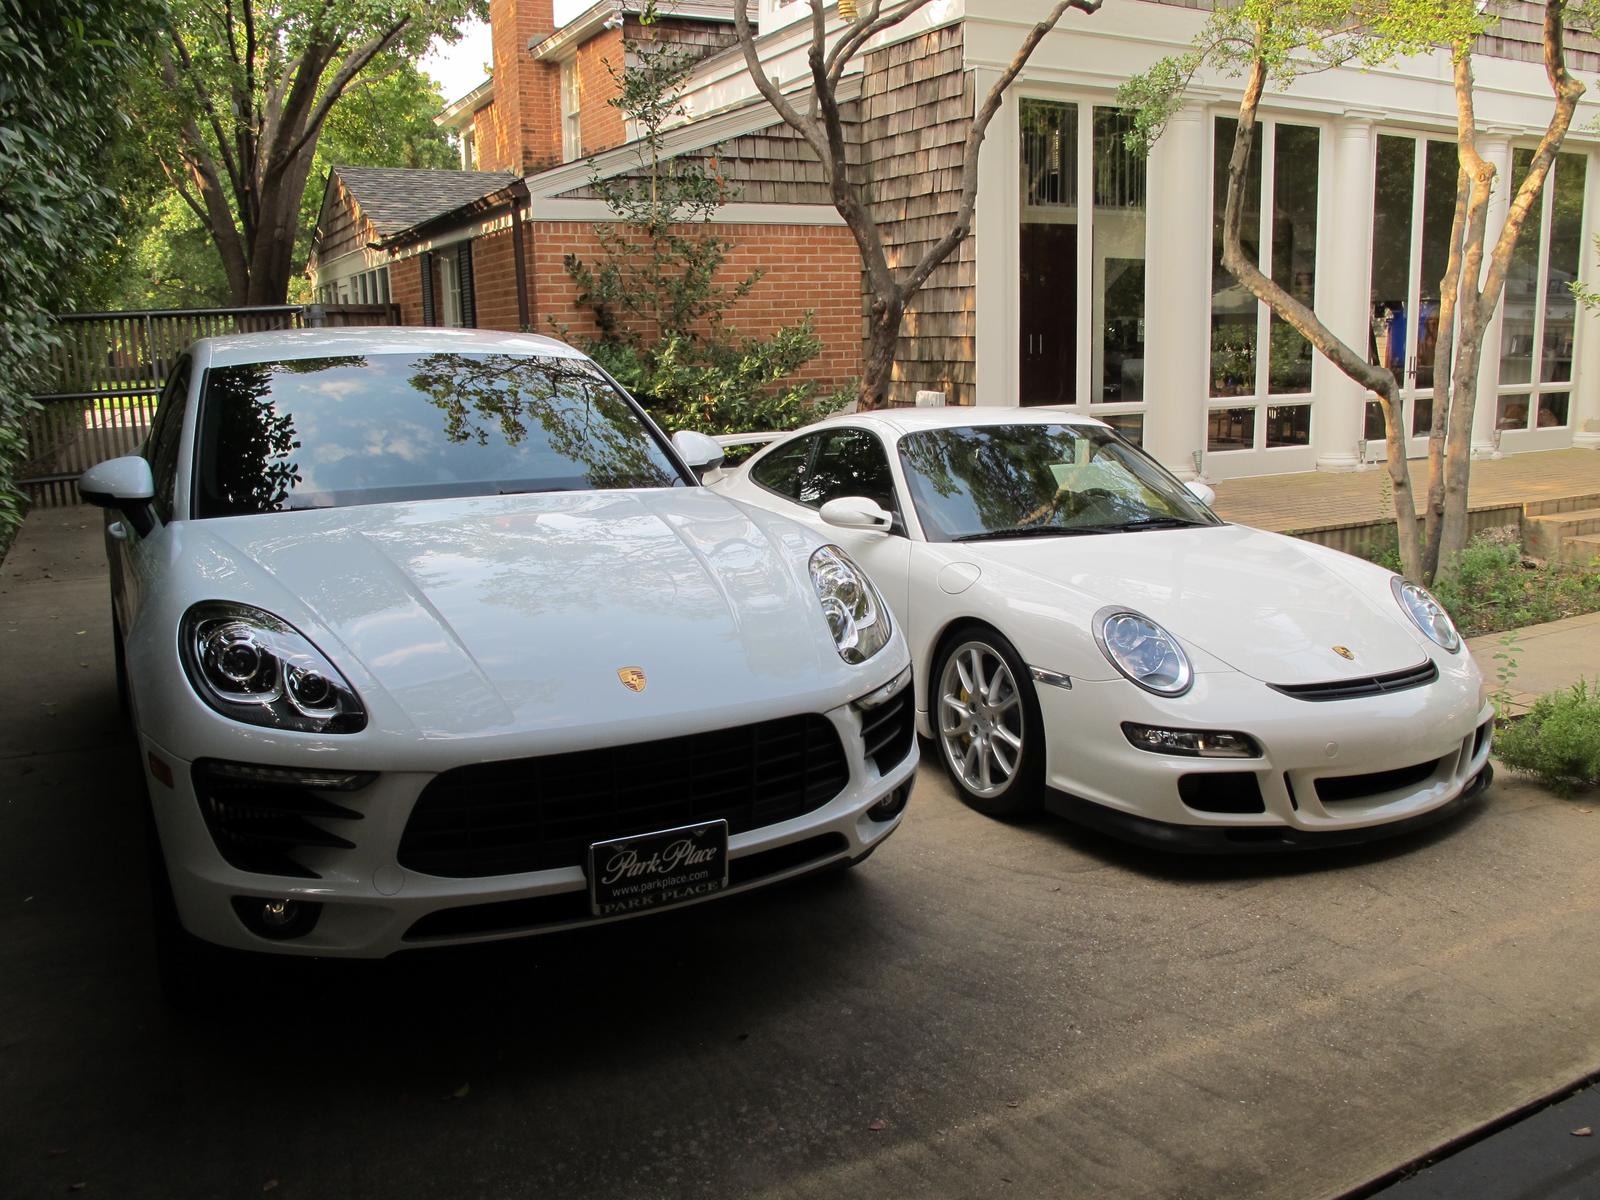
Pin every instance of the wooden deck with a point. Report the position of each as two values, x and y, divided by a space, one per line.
1350 507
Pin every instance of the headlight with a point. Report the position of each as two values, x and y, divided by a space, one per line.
251 666
856 614
1143 651
1426 613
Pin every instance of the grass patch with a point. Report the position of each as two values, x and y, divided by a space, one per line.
1498 588
1558 740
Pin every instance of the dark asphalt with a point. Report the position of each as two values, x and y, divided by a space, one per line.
980 1010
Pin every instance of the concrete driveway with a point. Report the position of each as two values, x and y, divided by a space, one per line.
980 1010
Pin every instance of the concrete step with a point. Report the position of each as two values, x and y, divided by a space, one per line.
1582 551
1562 504
1543 535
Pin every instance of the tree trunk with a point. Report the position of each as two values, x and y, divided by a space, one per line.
877 367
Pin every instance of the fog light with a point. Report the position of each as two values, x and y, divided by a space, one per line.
276 918
892 805
1191 743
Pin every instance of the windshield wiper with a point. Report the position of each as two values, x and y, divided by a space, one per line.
1032 531
1160 523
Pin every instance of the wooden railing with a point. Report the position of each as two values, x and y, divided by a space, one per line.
107 370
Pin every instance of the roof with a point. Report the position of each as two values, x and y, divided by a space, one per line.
396 198
608 14
288 344
911 420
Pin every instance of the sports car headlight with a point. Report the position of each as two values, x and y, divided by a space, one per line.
856 614
1143 651
1426 613
254 667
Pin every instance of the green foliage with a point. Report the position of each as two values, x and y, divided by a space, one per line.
63 73
1558 741
730 385
1506 662
1294 38
1496 589
655 290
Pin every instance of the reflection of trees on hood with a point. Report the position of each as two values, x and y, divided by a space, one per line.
582 416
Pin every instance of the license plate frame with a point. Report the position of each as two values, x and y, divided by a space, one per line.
659 869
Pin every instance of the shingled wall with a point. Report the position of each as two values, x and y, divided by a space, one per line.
916 108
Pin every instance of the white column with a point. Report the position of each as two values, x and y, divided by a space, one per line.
1343 294
994 224
1496 150
1586 378
1177 372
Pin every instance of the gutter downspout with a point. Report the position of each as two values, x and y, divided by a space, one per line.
521 199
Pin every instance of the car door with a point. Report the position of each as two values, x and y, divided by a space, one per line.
836 462
132 556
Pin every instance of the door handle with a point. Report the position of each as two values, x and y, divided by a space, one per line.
117 531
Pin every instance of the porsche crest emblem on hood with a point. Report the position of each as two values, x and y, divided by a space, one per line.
632 678
1345 652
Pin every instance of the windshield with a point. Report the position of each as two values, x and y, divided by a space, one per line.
370 429
999 481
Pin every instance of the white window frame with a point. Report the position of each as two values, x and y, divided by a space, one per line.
571 112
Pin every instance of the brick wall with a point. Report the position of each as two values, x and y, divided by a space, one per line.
807 267
405 289
602 124
487 136
527 130
494 278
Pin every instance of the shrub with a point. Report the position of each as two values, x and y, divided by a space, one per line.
1558 741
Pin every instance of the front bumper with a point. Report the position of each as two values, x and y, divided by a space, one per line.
371 906
1329 772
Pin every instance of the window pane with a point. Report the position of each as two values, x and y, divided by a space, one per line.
1391 255
1511 412
1373 431
1119 190
1048 319
850 463
1522 287
1289 425
1552 410
1438 215
1294 250
1566 232
1129 425
784 469
1233 310
1231 429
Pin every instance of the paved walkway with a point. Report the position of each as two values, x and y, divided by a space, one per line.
1329 500
1540 658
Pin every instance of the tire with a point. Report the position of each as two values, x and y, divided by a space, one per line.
987 725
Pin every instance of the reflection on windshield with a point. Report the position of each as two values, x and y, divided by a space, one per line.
326 432
1038 480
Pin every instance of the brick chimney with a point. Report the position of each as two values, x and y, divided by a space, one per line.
527 123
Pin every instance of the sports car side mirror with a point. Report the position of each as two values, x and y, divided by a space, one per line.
857 512
126 485
1201 492
698 450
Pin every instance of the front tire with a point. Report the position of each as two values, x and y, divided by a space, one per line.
987 724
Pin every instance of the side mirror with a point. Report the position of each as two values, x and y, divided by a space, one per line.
857 512
126 485
698 450
1201 492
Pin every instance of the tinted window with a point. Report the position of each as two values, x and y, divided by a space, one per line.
850 462
166 432
784 470
370 429
1017 480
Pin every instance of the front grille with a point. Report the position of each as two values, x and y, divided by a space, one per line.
502 916
533 814
888 730
1222 792
1362 787
260 816
1368 685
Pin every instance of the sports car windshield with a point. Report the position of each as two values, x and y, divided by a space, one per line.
991 482
375 428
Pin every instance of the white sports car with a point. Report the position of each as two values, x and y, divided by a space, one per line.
432 636
1087 634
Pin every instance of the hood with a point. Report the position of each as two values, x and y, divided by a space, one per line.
482 615
1267 605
